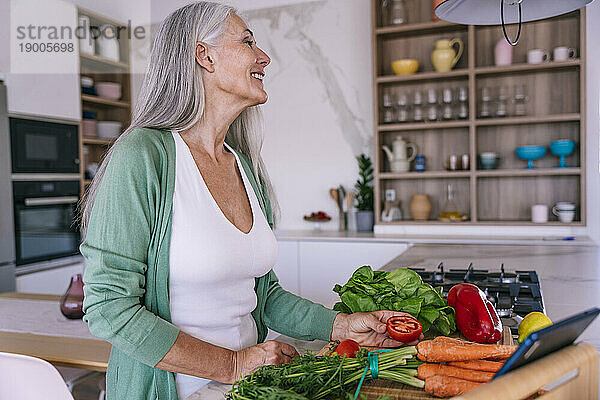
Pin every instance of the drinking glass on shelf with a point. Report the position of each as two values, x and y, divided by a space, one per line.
402 107
388 108
447 100
417 106
432 105
485 105
463 103
502 102
519 99
398 12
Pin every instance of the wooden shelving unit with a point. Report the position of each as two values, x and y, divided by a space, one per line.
86 98
101 69
555 110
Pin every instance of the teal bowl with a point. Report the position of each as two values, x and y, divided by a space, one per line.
562 148
530 153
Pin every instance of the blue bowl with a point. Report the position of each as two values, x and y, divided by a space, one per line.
530 153
562 148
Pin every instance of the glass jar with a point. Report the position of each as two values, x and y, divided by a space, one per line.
398 12
450 209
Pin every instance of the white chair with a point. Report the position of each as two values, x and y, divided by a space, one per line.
29 378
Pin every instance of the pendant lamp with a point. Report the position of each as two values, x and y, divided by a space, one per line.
503 12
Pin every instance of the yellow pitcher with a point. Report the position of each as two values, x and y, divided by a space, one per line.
444 57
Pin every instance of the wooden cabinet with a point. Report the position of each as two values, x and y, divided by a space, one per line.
102 69
554 109
51 91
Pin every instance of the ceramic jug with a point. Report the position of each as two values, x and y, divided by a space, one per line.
107 44
444 57
398 158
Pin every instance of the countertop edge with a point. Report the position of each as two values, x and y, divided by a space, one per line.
335 236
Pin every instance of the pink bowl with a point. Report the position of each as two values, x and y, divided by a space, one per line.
108 90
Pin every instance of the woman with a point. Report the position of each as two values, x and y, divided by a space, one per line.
178 225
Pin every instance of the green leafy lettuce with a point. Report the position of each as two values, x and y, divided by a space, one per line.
398 290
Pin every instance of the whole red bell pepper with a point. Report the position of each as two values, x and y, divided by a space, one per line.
475 314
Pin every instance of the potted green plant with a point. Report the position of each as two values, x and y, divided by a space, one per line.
364 194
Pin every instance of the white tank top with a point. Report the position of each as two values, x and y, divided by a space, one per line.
213 264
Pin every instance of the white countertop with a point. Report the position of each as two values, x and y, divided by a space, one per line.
312 235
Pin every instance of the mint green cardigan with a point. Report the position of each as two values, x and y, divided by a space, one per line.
127 272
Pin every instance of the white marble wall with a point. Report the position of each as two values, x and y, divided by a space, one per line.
319 113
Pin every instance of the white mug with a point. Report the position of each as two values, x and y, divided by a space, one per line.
539 213
563 53
565 216
537 56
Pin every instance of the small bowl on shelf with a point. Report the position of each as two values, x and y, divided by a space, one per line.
562 148
108 129
108 90
405 66
489 160
530 153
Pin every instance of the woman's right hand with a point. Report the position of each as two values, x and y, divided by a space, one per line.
250 359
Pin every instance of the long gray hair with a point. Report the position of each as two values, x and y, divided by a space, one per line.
172 94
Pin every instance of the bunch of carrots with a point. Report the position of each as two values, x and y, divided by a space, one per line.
454 366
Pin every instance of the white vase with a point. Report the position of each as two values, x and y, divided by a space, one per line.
107 45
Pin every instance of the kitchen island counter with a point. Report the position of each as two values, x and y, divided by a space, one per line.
570 278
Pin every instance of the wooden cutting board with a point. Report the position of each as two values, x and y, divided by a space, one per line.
397 391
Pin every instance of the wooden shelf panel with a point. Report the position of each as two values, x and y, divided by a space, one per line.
418 28
100 141
528 172
425 175
104 102
518 68
95 61
412 126
423 76
87 181
526 120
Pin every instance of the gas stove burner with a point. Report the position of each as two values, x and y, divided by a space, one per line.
503 277
438 276
504 312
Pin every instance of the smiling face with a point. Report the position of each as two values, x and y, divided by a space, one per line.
237 64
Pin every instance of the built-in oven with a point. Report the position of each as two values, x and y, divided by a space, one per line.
44 217
39 146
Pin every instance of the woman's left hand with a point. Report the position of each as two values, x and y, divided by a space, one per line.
368 329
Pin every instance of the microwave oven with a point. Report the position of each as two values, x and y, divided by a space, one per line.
43 147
